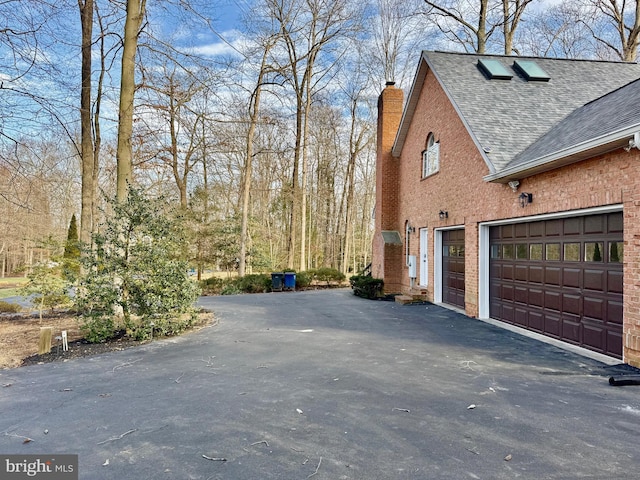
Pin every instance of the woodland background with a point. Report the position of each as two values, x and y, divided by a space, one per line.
261 131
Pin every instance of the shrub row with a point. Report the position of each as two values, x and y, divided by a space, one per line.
261 283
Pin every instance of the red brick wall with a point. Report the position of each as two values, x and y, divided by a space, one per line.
459 189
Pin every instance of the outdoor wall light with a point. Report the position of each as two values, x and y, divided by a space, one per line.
443 214
525 198
410 229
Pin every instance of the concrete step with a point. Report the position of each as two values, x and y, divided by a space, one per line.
409 298
404 299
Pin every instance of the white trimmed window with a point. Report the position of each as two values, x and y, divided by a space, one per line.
431 157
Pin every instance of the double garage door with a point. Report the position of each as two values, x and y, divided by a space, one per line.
562 278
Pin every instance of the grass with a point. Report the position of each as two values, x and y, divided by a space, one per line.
9 287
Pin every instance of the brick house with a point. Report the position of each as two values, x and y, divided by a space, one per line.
509 187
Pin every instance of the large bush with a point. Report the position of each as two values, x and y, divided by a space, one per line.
136 277
328 275
366 286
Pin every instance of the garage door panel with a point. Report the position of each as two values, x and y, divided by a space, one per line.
614 312
614 342
552 228
521 295
508 292
521 273
594 279
594 224
552 325
508 272
520 317
536 274
536 298
571 304
593 335
614 281
552 300
558 284
615 223
536 229
594 308
552 276
571 329
571 277
571 226
536 320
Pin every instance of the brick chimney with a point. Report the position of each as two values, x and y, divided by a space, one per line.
384 261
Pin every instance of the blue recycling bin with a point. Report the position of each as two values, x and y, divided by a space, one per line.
289 280
277 280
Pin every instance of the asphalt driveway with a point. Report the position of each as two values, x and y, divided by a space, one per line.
324 385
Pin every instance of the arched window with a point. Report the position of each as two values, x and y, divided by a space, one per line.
431 157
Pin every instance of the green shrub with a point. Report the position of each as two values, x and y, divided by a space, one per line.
304 279
230 289
136 271
254 283
6 307
97 328
366 286
213 285
329 275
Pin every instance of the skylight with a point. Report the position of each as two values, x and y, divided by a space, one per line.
494 69
531 71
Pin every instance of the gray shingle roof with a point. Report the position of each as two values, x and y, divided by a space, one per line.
507 118
613 112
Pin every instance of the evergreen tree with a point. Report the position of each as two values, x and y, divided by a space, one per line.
71 256
72 247
597 256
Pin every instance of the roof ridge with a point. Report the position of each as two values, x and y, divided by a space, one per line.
515 57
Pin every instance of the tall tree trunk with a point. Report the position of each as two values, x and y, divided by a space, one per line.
295 186
86 130
124 154
305 160
254 110
482 27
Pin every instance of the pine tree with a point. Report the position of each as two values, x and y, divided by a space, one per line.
72 248
71 257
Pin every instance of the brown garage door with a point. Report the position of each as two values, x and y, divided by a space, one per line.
453 267
561 278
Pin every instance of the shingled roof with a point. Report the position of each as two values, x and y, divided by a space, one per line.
523 126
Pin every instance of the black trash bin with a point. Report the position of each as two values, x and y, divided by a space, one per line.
277 282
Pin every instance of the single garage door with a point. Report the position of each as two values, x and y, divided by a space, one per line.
453 267
561 278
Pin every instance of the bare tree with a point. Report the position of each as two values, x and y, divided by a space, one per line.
468 27
512 13
307 28
254 112
558 32
616 26
472 26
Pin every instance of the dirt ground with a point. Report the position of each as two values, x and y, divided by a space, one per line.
19 336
